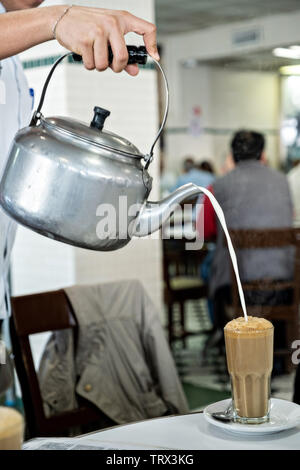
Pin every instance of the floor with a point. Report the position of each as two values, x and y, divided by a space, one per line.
206 380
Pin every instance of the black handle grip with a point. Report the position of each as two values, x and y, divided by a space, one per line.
136 55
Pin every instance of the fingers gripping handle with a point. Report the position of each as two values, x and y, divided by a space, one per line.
136 55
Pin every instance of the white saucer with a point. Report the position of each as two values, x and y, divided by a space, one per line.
283 415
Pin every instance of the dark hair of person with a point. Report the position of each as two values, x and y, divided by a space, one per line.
247 145
206 166
188 164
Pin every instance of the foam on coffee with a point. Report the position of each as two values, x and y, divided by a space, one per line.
253 325
11 429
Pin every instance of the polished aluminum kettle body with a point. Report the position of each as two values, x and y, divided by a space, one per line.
80 184
61 190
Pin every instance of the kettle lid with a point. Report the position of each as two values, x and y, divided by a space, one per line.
93 134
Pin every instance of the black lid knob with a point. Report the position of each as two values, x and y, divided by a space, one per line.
99 117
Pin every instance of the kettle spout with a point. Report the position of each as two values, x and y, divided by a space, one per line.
154 214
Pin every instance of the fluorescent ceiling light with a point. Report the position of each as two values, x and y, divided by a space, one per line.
290 70
288 53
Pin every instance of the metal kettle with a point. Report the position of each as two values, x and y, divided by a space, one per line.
80 184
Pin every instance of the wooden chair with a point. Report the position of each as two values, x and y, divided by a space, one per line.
181 283
289 314
38 313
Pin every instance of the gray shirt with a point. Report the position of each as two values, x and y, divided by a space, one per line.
253 196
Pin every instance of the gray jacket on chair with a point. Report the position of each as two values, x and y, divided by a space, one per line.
121 361
253 196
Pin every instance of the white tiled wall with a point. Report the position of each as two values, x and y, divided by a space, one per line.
140 259
40 264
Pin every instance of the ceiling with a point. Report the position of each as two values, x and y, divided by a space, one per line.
178 16
260 60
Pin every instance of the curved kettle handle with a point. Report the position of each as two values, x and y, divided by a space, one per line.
136 55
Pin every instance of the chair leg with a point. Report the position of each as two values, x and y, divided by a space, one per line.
182 323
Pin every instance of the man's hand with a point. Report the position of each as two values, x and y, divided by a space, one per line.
88 32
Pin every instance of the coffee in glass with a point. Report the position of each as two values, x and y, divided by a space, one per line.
249 352
11 429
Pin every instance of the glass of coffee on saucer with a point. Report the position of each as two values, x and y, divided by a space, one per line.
249 352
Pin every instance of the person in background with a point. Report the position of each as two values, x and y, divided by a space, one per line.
228 164
206 166
252 196
294 183
86 31
193 174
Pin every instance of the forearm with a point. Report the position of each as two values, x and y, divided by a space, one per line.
23 29
86 31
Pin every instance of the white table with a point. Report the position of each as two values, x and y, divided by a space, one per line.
190 432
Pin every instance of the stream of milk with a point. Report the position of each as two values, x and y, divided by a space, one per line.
221 217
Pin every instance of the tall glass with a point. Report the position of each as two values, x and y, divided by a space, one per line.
11 429
249 352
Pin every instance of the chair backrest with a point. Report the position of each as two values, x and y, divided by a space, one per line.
178 261
32 314
269 238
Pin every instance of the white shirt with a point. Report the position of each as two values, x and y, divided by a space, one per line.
15 110
294 182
